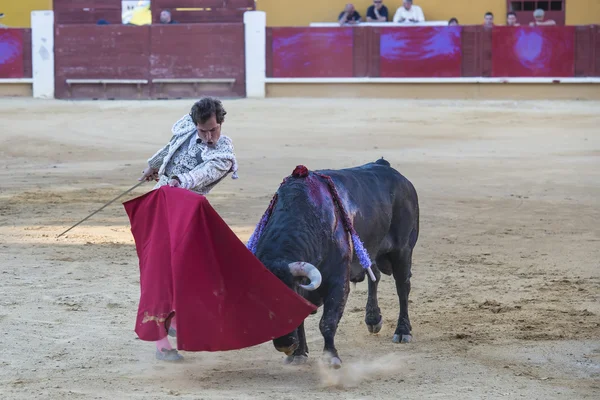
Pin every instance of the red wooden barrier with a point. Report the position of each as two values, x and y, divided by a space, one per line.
12 50
101 52
595 48
312 52
27 58
205 11
550 51
198 51
187 60
86 11
584 58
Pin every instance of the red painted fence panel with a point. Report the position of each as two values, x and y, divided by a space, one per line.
11 53
421 52
545 51
596 50
584 58
27 57
312 52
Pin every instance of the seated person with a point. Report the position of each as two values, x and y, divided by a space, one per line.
453 22
511 19
538 16
349 15
377 12
409 13
488 20
165 17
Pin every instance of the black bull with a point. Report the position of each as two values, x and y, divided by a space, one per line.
305 233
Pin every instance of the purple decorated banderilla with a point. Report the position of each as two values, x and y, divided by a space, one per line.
302 172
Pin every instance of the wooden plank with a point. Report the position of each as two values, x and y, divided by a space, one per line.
360 52
173 4
85 3
106 81
596 49
88 6
88 17
486 51
374 68
193 80
471 51
27 56
269 52
87 11
584 39
215 15
245 4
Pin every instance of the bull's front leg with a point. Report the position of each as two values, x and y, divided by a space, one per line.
373 317
300 355
333 309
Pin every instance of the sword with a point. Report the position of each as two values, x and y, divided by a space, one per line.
102 208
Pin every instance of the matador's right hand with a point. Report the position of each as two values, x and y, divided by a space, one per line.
149 174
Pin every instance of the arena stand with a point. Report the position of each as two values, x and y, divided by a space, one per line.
223 48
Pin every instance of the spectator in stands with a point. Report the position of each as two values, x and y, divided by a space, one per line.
453 22
488 20
2 25
511 19
165 17
349 15
409 13
538 16
377 12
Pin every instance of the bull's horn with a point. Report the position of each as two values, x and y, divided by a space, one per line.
308 270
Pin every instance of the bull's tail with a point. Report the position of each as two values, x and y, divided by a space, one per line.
381 161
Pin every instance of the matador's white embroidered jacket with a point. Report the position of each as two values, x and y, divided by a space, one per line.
198 166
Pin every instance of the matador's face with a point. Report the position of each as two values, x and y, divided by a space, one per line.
209 131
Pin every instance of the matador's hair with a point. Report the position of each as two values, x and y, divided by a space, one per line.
205 108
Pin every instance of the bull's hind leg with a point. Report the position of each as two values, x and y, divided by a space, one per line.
401 267
333 309
373 317
300 355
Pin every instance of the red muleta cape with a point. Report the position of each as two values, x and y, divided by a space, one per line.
192 263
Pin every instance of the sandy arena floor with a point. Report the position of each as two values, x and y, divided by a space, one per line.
506 275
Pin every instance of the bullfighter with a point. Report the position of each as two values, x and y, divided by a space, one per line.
196 158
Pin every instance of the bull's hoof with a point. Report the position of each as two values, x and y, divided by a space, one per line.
296 360
377 327
402 339
335 363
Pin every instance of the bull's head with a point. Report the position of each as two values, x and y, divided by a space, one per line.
289 343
